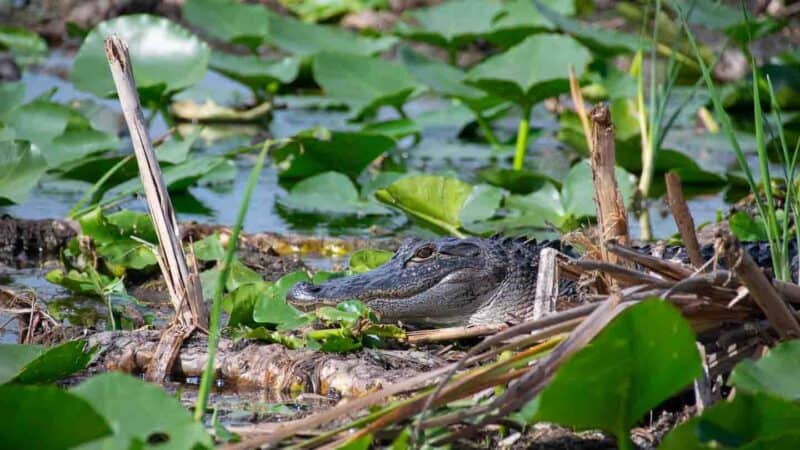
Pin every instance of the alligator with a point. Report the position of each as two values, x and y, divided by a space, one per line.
452 282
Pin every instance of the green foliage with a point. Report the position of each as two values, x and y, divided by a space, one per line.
254 71
139 414
306 39
362 82
316 151
229 20
34 364
125 238
25 45
271 307
47 418
368 259
748 228
452 23
773 374
654 356
176 150
166 57
329 193
21 166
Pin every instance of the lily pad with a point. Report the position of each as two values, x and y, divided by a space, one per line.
76 145
329 193
319 10
255 71
29 410
452 23
138 412
526 84
26 46
750 422
39 121
28 364
435 201
11 95
362 82
317 151
368 259
271 308
122 237
306 39
516 181
654 354
21 166
165 56
229 20
519 19
177 149
773 374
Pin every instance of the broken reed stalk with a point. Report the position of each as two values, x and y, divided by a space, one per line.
580 106
452 333
611 215
183 285
544 301
683 217
764 294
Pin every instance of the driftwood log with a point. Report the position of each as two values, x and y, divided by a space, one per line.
265 366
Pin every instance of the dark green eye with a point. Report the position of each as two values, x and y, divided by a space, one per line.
423 253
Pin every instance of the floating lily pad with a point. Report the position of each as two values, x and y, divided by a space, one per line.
177 149
516 181
362 82
654 354
368 259
526 84
519 19
11 96
317 151
165 56
329 193
306 39
26 46
602 40
28 411
319 10
76 145
21 166
28 364
435 201
138 412
452 23
255 71
229 20
39 121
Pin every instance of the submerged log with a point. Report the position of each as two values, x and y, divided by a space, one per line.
250 365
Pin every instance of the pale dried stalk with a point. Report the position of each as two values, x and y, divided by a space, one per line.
544 302
183 286
611 213
683 217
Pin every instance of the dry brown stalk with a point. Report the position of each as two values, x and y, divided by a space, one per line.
580 106
683 217
669 269
611 215
453 333
761 290
544 301
183 286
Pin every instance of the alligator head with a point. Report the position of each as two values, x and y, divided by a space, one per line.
439 282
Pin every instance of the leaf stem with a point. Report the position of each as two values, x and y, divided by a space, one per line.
216 308
486 128
522 137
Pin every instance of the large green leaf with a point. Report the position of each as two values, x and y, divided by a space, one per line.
256 71
26 46
446 79
317 151
435 201
750 421
21 166
76 145
362 82
165 56
775 373
318 10
367 259
27 364
11 96
47 418
229 20
139 414
271 307
544 72
577 191
519 18
329 193
121 237
178 177
305 39
452 23
40 121
640 359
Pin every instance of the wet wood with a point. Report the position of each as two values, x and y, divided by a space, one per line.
266 366
779 314
683 217
611 215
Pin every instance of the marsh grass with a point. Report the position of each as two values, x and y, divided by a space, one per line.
776 221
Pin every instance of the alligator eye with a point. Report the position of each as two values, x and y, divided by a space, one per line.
423 253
